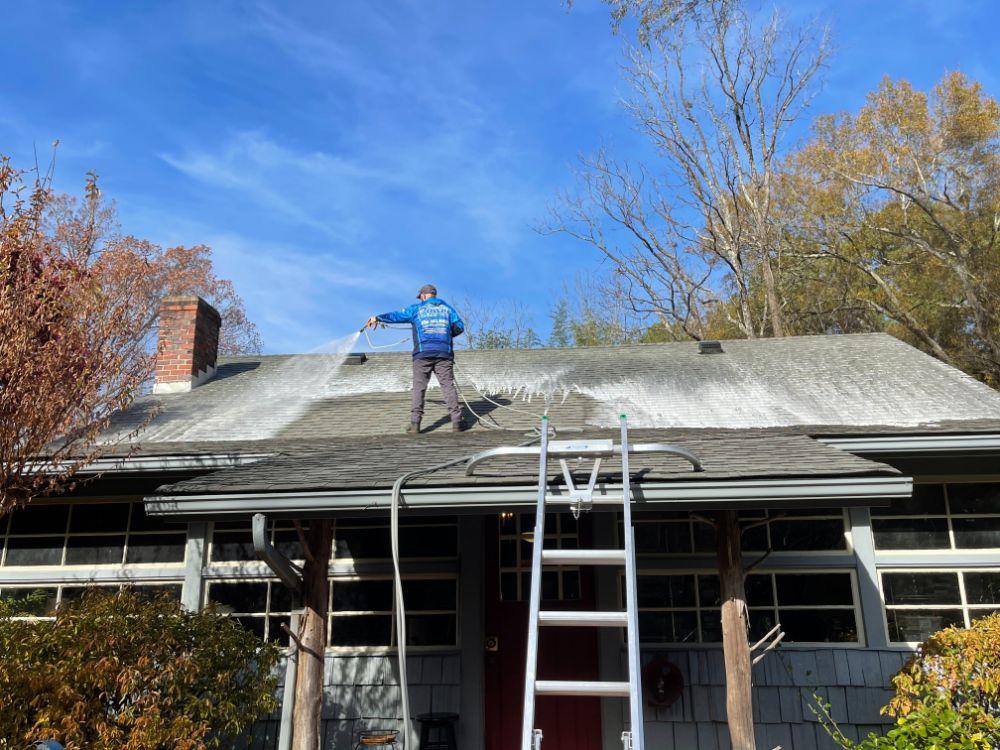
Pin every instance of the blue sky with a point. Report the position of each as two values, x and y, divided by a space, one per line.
338 155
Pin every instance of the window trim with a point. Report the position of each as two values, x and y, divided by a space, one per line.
861 643
963 605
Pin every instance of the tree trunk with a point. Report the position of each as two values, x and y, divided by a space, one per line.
312 637
736 648
773 301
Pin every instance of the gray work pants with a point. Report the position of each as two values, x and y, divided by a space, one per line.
444 369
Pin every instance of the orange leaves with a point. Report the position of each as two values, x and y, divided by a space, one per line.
959 666
78 309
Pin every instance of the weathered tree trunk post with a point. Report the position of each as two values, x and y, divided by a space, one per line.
311 641
736 648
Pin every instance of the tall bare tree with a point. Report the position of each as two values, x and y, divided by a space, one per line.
689 234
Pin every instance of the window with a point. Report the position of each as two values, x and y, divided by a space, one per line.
918 603
517 532
812 530
89 534
40 602
261 606
423 537
941 517
811 607
361 612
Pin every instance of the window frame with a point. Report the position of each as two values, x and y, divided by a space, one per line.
885 556
699 610
128 535
963 604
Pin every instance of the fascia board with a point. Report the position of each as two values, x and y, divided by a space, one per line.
915 444
788 493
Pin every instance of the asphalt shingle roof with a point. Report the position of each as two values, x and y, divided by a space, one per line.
375 463
871 384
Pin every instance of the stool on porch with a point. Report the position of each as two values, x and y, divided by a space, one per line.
437 731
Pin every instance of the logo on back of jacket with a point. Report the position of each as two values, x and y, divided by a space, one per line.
435 320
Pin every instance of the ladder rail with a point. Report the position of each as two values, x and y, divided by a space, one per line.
631 599
581 499
528 736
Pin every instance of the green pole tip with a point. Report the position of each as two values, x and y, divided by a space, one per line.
545 417
621 416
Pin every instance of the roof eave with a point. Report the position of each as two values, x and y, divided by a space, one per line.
916 444
687 495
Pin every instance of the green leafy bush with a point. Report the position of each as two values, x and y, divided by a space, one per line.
126 672
947 695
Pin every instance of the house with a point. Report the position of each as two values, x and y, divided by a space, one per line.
867 474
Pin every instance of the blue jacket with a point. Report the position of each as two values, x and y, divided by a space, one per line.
435 323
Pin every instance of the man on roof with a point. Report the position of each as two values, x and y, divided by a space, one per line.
435 323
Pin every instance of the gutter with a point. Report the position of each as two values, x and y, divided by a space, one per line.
173 462
971 442
754 493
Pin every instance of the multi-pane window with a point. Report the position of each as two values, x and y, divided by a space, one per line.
677 532
919 602
941 517
423 537
811 607
517 531
361 610
89 534
260 606
35 602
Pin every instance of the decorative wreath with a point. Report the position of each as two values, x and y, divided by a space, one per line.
662 682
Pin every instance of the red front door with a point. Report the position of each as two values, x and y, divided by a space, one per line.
563 653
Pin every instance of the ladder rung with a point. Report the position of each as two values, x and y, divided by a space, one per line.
583 557
569 618
581 687
595 500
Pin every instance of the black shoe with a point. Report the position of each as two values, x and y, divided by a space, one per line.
413 429
459 426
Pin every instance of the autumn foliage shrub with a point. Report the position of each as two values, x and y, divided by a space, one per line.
124 671
947 694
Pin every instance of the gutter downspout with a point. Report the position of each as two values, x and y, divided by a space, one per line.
291 576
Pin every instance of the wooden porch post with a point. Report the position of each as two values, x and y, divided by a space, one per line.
311 642
735 646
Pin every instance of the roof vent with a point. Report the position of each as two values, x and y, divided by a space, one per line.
356 358
710 347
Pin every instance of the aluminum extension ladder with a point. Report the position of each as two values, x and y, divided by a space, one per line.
581 500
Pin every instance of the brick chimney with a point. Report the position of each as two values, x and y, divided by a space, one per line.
188 344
